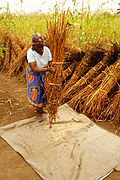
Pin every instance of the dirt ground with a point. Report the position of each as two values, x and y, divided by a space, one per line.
14 106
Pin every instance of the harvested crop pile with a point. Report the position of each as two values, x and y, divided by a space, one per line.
79 98
14 60
82 68
93 100
96 103
112 111
110 57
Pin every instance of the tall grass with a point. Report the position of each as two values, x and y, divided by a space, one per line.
23 25
86 28
98 27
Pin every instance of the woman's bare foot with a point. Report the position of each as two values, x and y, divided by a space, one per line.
36 109
43 111
40 110
39 117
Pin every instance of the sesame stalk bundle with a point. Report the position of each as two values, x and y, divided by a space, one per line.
57 31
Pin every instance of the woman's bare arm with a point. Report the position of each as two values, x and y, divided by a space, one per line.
35 68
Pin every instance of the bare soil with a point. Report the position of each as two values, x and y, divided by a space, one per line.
14 106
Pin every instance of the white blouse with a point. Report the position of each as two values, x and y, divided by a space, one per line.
41 60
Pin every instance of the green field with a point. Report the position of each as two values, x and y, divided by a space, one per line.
86 29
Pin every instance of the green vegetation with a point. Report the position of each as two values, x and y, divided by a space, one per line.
99 27
2 49
23 25
86 28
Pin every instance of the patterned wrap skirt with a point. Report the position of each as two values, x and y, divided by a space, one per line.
37 83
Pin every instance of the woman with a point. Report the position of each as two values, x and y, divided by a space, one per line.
39 59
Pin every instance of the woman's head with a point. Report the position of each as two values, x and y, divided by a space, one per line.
38 43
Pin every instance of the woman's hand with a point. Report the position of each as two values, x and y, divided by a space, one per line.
51 69
37 69
46 68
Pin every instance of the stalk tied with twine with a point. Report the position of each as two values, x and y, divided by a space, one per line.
57 31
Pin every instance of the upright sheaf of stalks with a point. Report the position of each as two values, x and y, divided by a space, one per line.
3 43
13 57
14 43
18 61
57 31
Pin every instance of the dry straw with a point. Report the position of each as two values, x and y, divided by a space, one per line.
112 111
92 73
20 42
18 61
69 71
3 34
7 55
23 73
96 103
57 32
15 52
79 98
13 56
15 45
81 68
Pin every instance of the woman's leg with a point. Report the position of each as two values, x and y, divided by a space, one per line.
41 110
39 116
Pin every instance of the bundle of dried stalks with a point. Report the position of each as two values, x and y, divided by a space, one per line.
13 39
12 49
7 55
13 57
57 29
15 45
3 35
23 73
71 55
92 73
20 42
79 98
96 103
69 71
1 62
82 67
112 111
2 46
19 61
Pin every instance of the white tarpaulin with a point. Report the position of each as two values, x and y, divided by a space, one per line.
73 149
